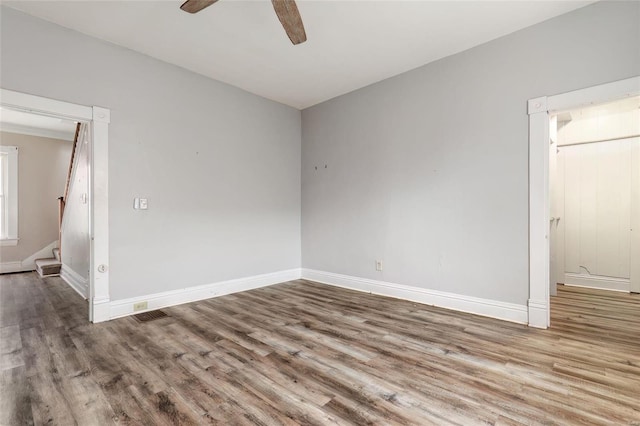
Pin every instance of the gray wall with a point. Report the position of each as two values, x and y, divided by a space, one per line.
220 166
43 164
428 171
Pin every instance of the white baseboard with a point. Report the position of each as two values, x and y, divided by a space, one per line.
75 280
538 313
597 281
11 267
121 308
28 264
101 310
485 307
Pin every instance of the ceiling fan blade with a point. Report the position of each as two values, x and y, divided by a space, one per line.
193 6
290 19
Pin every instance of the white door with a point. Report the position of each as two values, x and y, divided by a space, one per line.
601 197
635 218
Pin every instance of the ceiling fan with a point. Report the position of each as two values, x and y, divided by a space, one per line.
286 10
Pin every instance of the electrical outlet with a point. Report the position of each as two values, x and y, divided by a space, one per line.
140 306
378 265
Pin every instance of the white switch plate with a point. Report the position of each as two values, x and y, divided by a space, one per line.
140 203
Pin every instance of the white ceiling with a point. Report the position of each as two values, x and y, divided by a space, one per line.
350 44
36 125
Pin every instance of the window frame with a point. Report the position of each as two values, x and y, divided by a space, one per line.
10 192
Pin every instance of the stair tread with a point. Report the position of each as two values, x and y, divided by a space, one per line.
51 261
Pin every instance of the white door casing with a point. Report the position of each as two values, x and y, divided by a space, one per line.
98 119
539 202
555 217
560 212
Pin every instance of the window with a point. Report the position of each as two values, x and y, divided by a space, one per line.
8 195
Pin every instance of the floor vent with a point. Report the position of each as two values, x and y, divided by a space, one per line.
150 316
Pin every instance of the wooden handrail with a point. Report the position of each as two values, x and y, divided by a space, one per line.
60 213
73 154
63 200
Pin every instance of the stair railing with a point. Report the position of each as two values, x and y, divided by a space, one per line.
62 200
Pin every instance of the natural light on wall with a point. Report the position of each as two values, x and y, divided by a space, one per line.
8 195
615 120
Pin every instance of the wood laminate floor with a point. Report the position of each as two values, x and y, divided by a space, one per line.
305 353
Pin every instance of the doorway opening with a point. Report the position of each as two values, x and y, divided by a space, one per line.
594 161
542 270
594 183
88 273
35 171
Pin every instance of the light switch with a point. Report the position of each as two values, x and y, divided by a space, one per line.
140 204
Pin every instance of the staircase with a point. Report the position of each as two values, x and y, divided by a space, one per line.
49 267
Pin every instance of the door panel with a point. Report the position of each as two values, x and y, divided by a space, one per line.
571 161
613 208
598 182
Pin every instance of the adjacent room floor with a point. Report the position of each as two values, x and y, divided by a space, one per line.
305 353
